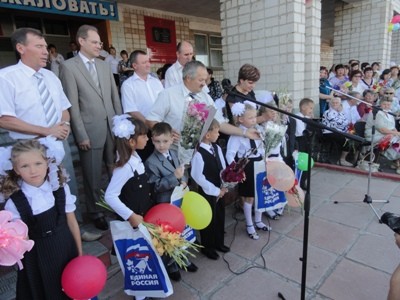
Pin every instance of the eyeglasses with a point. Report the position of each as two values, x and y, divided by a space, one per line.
96 43
357 76
389 93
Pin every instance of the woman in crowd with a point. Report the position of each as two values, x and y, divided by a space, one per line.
213 86
325 91
353 85
385 124
335 118
247 79
125 69
368 80
113 60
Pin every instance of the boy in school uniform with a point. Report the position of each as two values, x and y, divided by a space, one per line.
166 173
207 164
306 107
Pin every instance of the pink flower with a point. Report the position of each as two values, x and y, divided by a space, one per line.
13 240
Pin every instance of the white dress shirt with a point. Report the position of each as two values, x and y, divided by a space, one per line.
170 106
350 112
41 199
197 171
240 146
140 95
120 177
174 76
20 97
300 125
113 61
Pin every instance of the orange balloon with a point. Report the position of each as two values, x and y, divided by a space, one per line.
280 176
293 199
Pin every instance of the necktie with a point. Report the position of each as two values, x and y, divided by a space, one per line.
253 146
170 160
192 95
212 150
93 73
47 102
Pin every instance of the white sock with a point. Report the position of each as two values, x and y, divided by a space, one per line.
257 219
247 215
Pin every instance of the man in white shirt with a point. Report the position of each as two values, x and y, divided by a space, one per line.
170 104
350 107
22 112
184 54
140 91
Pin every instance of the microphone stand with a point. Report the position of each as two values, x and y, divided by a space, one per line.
307 199
367 197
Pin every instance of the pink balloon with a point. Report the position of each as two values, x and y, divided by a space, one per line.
295 198
280 176
395 19
84 277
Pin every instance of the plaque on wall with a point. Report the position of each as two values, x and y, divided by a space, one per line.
160 39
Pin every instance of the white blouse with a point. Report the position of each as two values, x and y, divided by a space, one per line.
41 199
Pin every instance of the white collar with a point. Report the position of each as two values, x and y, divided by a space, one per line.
28 70
30 189
84 58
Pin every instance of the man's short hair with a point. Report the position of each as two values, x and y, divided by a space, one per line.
19 36
368 92
248 72
304 102
190 69
179 45
214 124
134 55
161 128
83 32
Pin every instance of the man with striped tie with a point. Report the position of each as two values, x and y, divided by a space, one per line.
32 101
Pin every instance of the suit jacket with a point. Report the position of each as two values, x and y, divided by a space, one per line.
161 174
92 109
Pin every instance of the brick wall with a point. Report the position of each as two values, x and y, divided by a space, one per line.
273 35
361 31
129 33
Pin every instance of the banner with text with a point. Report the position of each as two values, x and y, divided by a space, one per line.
96 9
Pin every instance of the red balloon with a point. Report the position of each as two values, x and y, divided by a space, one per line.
84 277
168 215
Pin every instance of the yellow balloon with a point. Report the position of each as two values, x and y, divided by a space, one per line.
197 210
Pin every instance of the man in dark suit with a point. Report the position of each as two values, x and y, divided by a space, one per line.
74 50
89 85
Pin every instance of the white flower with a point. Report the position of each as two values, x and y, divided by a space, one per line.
53 176
54 148
238 109
5 162
122 127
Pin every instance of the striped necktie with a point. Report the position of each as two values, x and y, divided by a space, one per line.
93 73
47 102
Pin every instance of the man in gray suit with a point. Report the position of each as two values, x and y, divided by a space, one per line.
89 85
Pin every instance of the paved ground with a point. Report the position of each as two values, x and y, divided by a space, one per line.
350 255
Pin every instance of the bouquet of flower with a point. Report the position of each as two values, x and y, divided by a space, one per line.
195 117
234 173
352 144
271 135
164 239
13 240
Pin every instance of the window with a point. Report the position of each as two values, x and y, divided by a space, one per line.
55 27
208 49
24 21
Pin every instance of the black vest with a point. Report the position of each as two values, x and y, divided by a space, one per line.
212 165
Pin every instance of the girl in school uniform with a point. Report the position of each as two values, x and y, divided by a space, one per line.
239 147
38 195
128 193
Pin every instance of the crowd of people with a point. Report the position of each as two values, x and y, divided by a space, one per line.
359 96
135 130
